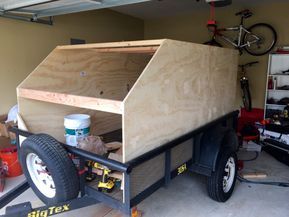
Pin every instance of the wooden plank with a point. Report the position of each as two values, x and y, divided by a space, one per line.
44 117
141 43
254 175
184 86
149 50
104 105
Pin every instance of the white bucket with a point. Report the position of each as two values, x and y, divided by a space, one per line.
76 126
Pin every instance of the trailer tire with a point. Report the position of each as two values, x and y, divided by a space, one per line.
221 183
48 169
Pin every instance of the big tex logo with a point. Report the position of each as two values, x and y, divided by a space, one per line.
50 211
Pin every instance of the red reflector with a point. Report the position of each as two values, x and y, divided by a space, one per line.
80 172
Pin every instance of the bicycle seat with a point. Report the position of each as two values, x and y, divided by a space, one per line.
244 13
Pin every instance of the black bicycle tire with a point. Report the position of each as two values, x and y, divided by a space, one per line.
247 101
268 49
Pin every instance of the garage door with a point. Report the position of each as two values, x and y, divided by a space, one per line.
32 10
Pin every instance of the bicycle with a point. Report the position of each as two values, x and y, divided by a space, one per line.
257 40
245 86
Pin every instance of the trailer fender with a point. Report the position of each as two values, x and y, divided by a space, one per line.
213 143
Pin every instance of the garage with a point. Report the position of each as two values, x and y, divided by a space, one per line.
144 108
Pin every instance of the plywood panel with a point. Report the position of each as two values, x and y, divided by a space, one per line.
183 87
87 73
43 117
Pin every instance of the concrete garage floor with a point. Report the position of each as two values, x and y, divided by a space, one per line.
187 197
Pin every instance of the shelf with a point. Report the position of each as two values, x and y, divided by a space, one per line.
277 64
275 105
278 75
280 54
276 90
106 105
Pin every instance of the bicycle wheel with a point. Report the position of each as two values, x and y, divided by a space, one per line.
247 98
266 40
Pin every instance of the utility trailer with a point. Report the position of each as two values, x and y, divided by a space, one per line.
170 103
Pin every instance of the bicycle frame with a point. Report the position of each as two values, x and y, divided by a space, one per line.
241 31
244 82
244 79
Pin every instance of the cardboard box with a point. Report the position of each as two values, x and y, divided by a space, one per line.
2 176
4 127
5 142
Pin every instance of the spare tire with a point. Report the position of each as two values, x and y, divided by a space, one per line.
48 169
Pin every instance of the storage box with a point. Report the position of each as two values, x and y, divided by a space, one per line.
154 91
151 91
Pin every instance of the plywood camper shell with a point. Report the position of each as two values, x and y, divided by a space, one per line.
153 90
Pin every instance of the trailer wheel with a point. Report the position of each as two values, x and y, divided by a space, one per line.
221 183
48 169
